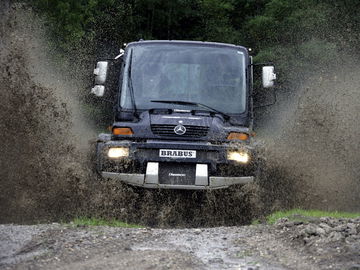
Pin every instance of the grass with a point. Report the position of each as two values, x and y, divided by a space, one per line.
255 222
304 215
83 221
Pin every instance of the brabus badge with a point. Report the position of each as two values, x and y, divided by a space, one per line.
180 130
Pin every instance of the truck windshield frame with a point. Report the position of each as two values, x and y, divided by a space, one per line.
212 75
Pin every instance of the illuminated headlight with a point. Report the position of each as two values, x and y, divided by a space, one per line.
117 152
239 156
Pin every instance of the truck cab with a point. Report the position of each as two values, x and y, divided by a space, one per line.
183 116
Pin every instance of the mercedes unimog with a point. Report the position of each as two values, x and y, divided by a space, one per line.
183 115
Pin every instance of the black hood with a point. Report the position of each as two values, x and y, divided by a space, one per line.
161 124
181 118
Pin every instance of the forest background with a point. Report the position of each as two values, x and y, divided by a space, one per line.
300 37
285 31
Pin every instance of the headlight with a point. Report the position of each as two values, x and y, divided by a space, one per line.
239 156
117 152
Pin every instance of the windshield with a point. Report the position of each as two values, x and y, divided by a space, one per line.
213 76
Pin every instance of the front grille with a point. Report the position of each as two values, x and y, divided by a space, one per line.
191 131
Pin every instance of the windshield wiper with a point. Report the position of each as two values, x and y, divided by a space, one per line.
179 102
130 85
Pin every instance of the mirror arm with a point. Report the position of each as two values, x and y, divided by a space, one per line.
122 52
115 59
110 60
262 64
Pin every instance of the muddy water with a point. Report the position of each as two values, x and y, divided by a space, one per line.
65 247
40 174
313 134
46 172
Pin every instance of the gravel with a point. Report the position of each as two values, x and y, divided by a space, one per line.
324 243
326 240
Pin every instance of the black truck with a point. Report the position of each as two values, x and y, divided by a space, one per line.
183 115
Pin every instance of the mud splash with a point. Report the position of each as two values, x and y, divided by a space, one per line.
312 133
36 145
46 173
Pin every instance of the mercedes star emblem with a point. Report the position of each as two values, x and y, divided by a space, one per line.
180 130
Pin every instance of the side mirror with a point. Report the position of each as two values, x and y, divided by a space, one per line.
100 78
101 72
122 51
98 90
268 76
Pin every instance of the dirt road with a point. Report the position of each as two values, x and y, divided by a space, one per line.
319 244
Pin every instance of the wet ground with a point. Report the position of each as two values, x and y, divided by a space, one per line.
315 244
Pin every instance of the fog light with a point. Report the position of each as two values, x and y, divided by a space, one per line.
117 152
242 157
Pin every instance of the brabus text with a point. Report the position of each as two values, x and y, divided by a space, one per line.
177 153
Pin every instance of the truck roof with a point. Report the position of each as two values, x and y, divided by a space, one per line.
185 42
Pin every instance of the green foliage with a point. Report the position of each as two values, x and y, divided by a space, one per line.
215 20
287 22
266 22
303 215
67 19
300 60
75 23
294 34
83 221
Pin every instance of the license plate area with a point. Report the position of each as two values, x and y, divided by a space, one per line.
172 173
177 153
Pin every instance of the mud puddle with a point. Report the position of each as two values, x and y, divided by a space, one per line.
64 247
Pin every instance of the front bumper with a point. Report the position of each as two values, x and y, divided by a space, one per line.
215 182
143 166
